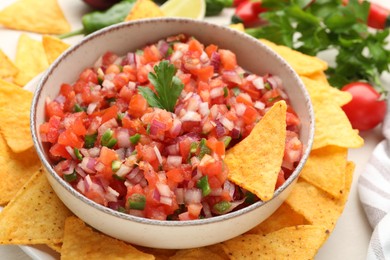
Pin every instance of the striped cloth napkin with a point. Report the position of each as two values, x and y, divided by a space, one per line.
374 193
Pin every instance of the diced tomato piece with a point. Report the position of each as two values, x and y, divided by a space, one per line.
109 113
69 138
109 58
88 75
228 59
175 175
292 119
250 115
204 73
96 197
194 209
151 54
54 109
120 80
113 69
137 105
146 153
58 150
216 146
210 49
280 180
186 216
51 129
184 148
107 156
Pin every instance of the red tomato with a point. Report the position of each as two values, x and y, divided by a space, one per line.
366 109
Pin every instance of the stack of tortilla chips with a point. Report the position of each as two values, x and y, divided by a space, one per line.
33 214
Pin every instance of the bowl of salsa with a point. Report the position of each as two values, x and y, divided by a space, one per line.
133 126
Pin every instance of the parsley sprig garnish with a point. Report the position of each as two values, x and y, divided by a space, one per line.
315 26
168 87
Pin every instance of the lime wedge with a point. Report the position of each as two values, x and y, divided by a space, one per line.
195 9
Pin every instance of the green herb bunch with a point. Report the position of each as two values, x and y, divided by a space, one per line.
313 26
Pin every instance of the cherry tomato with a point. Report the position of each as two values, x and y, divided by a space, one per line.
366 109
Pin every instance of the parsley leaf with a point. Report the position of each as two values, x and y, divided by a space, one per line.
167 85
315 26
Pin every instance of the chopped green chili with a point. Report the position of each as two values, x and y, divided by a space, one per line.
203 184
134 139
222 206
70 177
137 201
236 91
77 153
225 92
107 139
90 140
78 108
115 165
203 148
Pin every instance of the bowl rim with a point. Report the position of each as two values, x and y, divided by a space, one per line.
141 220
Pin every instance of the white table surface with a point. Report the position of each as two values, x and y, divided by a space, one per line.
351 236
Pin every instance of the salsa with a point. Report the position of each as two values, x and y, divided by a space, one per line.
146 133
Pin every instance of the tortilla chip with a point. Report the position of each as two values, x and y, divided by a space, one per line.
159 254
319 76
283 217
237 26
55 247
319 92
144 9
333 127
41 16
7 68
303 64
325 169
255 162
16 170
30 59
298 242
53 47
34 216
196 253
81 242
316 205
15 105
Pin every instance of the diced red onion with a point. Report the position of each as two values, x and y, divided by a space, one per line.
136 212
176 55
70 152
129 59
70 169
232 76
163 47
282 94
191 116
108 84
179 193
123 137
229 187
133 173
204 58
240 109
216 92
94 152
172 149
110 124
123 170
60 99
88 164
194 102
176 127
121 152
113 192
157 126
236 133
192 196
156 195
158 154
215 61
259 105
164 189
91 108
275 82
166 200
174 161
81 186
80 171
206 210
99 167
220 129
88 182
204 109
258 83
226 123
194 161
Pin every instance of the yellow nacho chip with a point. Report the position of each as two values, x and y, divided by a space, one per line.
255 162
41 16
297 242
53 47
197 253
333 127
7 68
34 216
303 64
144 9
237 26
316 205
16 170
30 59
319 76
319 92
15 119
283 217
81 242
325 169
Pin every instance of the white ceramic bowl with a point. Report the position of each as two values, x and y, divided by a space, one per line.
252 56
